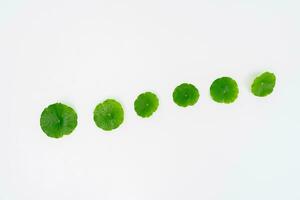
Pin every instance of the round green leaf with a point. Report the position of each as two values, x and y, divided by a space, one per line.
264 84
109 115
185 95
146 104
58 120
224 90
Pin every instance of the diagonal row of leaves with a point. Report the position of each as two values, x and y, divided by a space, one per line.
59 119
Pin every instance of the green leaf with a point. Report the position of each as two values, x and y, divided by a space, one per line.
109 115
224 90
58 120
185 95
264 84
146 104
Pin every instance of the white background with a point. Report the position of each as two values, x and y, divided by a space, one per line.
82 52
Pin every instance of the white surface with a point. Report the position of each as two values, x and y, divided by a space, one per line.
82 52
